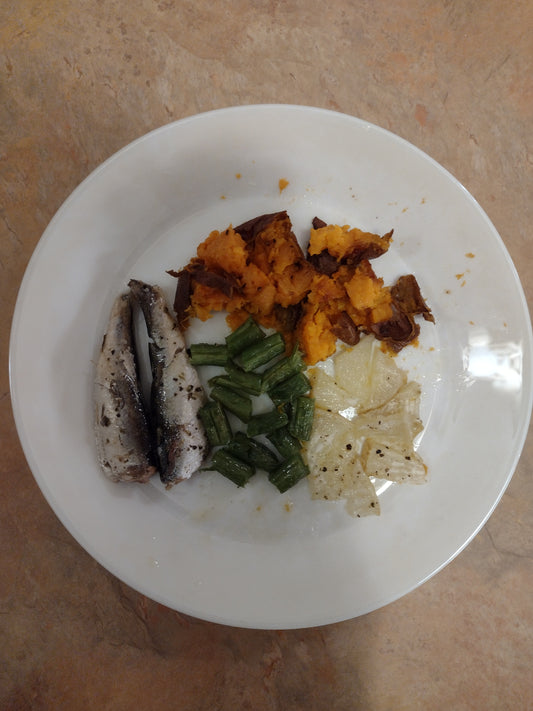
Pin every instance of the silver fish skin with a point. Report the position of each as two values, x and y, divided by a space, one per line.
177 393
121 425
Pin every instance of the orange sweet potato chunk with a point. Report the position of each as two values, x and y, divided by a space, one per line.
258 291
367 293
315 335
205 299
224 250
325 289
363 291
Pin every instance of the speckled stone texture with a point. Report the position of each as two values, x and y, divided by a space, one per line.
79 80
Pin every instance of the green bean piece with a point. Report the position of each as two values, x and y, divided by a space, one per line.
253 452
266 422
286 444
247 333
301 417
208 354
231 467
215 421
290 389
260 353
236 379
289 473
283 369
251 381
239 405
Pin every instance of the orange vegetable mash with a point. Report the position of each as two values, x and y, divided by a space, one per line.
331 293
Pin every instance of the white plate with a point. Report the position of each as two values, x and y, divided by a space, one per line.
252 557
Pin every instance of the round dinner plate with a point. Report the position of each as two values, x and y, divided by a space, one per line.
252 557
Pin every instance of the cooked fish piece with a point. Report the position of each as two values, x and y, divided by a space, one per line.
177 393
121 424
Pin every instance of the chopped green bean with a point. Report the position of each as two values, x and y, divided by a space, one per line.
301 417
286 444
208 354
283 369
289 473
240 405
251 381
247 333
260 353
238 380
253 452
231 467
216 423
290 389
266 422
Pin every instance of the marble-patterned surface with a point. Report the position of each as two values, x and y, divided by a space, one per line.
79 80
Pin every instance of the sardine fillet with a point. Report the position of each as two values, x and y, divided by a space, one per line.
120 420
177 394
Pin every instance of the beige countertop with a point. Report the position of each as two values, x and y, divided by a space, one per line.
78 81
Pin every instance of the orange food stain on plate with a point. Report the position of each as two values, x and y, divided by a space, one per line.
283 182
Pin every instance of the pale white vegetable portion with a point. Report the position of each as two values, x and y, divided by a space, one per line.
364 378
397 419
393 462
366 422
330 430
335 469
328 395
369 375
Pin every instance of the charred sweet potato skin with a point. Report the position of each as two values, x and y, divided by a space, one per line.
347 245
314 299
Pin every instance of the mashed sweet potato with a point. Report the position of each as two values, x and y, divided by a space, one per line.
314 299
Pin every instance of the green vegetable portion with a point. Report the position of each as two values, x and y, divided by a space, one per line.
301 417
266 422
239 405
231 467
253 452
208 354
290 389
284 442
255 366
283 369
215 421
289 473
236 379
247 334
260 353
